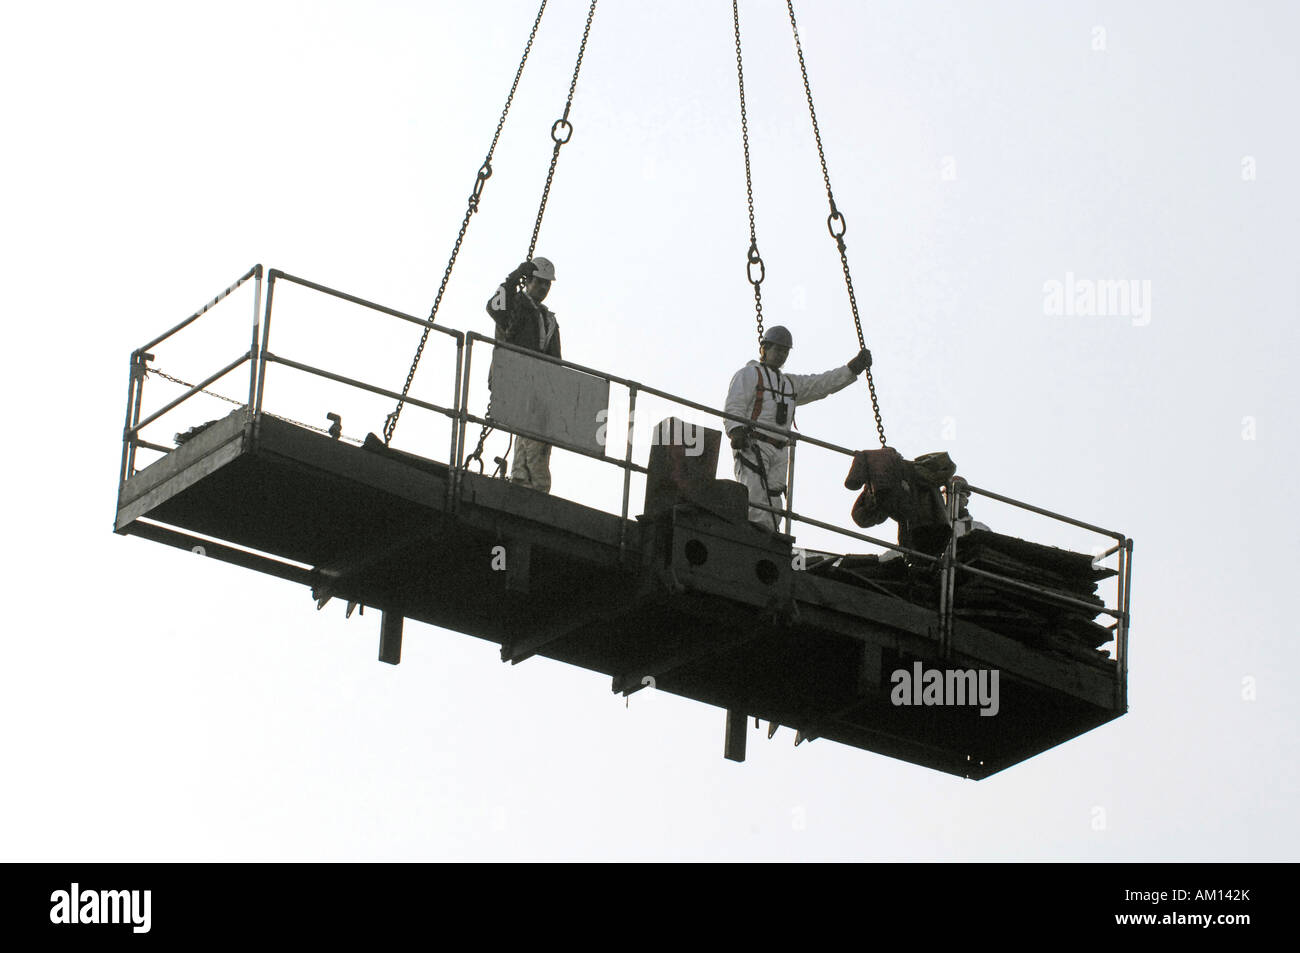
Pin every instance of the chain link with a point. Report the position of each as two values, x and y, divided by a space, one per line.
188 385
752 257
836 218
484 173
482 439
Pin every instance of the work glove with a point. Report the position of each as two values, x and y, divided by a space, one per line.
739 439
525 270
861 362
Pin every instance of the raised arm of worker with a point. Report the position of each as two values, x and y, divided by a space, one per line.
810 387
501 306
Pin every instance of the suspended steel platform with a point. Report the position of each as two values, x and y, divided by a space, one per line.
686 596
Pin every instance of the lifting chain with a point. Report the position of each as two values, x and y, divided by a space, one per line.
835 222
484 173
561 132
752 258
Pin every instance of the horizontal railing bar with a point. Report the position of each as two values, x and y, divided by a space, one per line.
247 355
319 372
422 322
255 270
153 446
645 388
1042 512
543 438
1030 587
791 435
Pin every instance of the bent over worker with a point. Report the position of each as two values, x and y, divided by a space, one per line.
522 320
762 393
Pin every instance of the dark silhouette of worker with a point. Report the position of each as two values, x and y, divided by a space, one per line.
522 320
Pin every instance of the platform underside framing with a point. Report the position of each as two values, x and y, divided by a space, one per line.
578 585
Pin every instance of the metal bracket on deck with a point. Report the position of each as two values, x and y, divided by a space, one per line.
390 637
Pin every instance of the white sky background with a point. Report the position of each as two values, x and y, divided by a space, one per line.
159 706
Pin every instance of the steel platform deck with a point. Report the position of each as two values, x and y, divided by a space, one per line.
687 601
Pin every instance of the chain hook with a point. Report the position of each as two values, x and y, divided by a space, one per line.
752 259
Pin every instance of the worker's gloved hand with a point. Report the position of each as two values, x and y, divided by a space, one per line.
526 269
739 439
861 362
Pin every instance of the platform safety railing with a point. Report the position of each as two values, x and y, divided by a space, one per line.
259 356
141 356
947 564
266 357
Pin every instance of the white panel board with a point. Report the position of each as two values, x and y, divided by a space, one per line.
566 406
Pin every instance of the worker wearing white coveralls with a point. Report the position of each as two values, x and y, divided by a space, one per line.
760 392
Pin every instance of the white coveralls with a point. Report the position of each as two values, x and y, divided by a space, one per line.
755 393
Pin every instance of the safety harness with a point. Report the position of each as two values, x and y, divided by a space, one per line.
758 405
756 465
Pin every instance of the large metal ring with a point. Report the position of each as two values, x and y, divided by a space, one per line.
749 271
568 131
831 219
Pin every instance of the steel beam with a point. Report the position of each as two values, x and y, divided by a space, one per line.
390 637
733 748
229 554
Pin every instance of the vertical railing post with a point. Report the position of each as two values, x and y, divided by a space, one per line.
789 485
457 447
253 349
128 438
627 469
139 368
948 571
266 340
460 464
1121 630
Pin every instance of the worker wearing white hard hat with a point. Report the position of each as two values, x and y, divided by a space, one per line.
762 394
522 320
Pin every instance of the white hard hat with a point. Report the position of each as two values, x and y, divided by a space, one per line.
779 336
545 270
